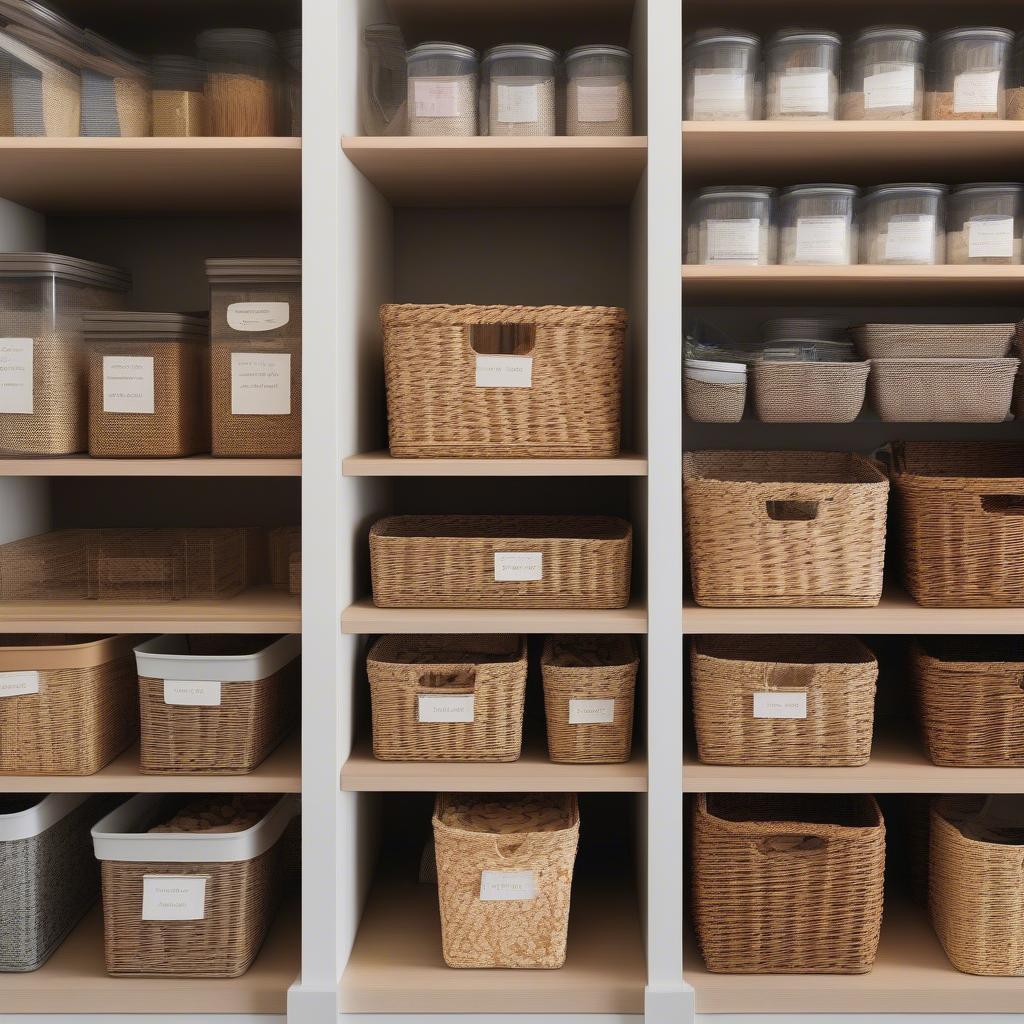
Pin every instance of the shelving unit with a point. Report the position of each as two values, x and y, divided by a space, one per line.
196 465
382 464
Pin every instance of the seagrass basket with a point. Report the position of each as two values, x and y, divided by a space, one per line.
447 698
503 381
47 566
784 529
787 884
504 874
942 390
808 392
933 341
783 700
714 401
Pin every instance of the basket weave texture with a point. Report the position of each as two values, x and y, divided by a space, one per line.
810 392
714 402
933 341
836 673
572 408
788 884
282 543
784 529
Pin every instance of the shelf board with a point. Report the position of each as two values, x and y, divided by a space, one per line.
163 176
382 464
196 465
489 171
396 964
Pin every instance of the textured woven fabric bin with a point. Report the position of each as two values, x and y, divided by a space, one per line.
512 381
67 703
942 390
447 698
47 566
783 700
501 562
933 341
589 686
787 884
218 925
796 392
215 705
504 877
784 529
714 401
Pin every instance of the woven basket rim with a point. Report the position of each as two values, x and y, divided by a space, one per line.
622 654
1008 363
501 528
857 466
832 652
886 330
944 802
919 647
969 451
464 315
746 828
572 811
379 649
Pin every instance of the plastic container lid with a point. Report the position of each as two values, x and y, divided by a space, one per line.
598 50
76 56
231 36
177 72
927 187
290 42
241 271
437 48
30 14
134 326
34 820
736 192
819 189
805 35
708 36
105 48
989 186
711 364
981 32
37 264
906 32
520 50
168 657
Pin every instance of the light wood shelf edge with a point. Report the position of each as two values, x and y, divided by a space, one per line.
195 466
381 463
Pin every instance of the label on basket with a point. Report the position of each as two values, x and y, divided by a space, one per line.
822 240
804 91
504 371
718 92
128 384
597 103
990 236
261 384
890 88
435 99
517 104
911 237
976 92
734 241
508 885
173 897
258 316
518 566
454 708
16 375
17 684
591 711
199 693
780 704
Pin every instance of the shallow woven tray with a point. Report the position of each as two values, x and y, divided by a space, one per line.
811 392
933 341
942 390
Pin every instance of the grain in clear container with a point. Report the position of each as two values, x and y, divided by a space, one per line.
817 226
883 75
722 76
384 88
802 75
179 103
986 224
967 74
732 226
903 224
241 81
518 90
39 97
599 91
442 90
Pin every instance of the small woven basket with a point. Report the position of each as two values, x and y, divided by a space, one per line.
783 700
797 392
589 687
504 874
942 390
933 341
714 401
788 884
447 698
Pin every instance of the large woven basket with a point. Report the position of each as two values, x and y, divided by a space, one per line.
714 401
783 700
942 390
788 884
811 392
501 562
784 529
444 369
589 687
447 698
504 874
933 341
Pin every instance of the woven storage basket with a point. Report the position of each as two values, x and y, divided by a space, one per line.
244 882
282 543
933 341
786 392
784 529
68 703
242 701
447 698
714 401
543 562
445 369
47 566
504 874
295 573
942 390
788 884
589 687
783 700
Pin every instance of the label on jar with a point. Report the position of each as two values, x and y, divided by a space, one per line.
18 684
822 240
508 885
194 693
911 238
597 103
128 384
516 104
173 897
976 92
258 316
780 704
261 384
890 88
16 375
734 241
454 708
591 711
518 566
804 91
435 99
504 371
988 237
717 93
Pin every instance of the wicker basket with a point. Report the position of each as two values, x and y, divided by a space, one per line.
589 686
784 529
295 573
943 390
68 703
796 392
47 566
504 874
714 401
783 700
447 698
501 562
446 369
215 705
933 341
788 884
282 543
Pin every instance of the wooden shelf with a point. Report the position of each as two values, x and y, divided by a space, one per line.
382 464
196 465
501 171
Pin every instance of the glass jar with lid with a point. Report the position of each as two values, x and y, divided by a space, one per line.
817 225
883 75
517 90
732 226
986 223
442 89
384 90
903 224
599 91
802 75
967 74
722 76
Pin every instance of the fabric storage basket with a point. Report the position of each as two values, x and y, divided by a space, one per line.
188 904
784 529
501 562
67 703
256 356
447 698
504 875
715 392
783 700
787 884
811 392
282 543
508 381
215 705
933 341
589 687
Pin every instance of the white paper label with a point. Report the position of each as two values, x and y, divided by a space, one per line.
597 103
16 375
780 704
591 711
822 240
435 99
719 92
258 316
890 88
199 693
976 92
261 384
990 237
804 91
518 566
504 371
517 104
911 238
173 897
128 384
734 241
454 708
18 684
508 885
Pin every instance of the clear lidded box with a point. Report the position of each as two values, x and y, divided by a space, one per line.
817 225
518 90
903 224
442 90
967 74
802 75
383 92
722 76
986 224
179 103
732 226
883 75
242 75
599 91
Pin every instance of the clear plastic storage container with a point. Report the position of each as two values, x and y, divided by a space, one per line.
722 76
985 224
967 74
384 90
179 103
732 226
38 96
807 339
241 81
802 75
599 91
817 225
518 90
290 44
883 75
442 90
903 224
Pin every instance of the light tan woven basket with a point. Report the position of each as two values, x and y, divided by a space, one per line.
784 529
504 874
443 367
797 392
447 698
933 341
501 562
783 700
714 401
942 390
589 688
788 884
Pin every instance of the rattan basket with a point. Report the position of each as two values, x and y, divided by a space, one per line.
47 566
933 341
784 529
589 687
504 874
447 371
942 390
788 884
501 562
714 401
798 392
783 700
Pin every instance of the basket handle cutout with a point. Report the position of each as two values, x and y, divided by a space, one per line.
792 844
508 848
502 339
1003 504
791 511
461 679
